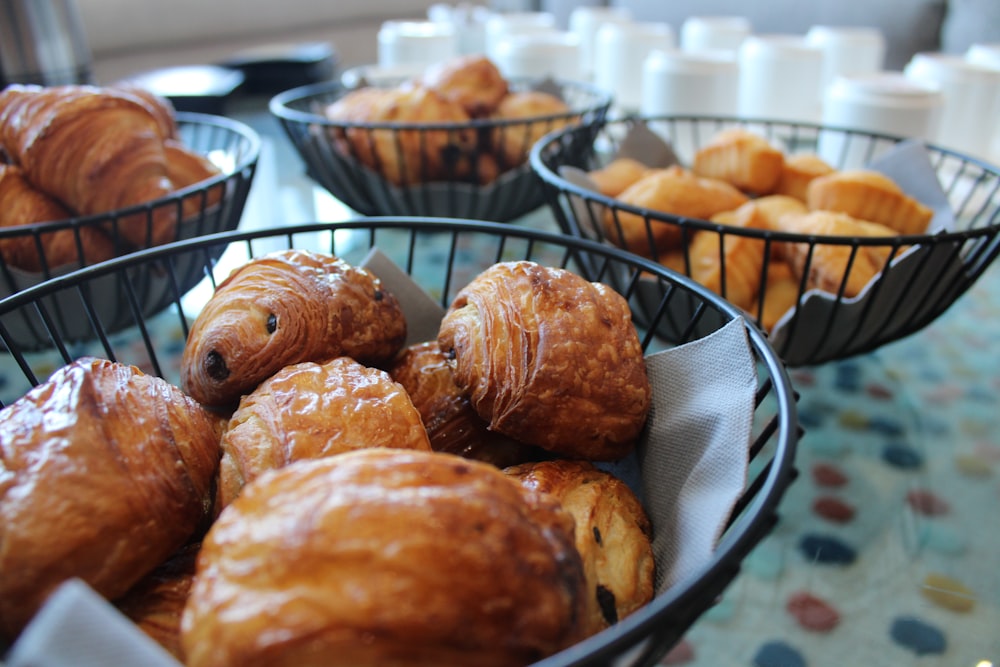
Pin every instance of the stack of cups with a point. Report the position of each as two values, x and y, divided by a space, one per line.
971 100
880 103
848 51
988 55
585 22
414 44
502 26
714 33
781 78
621 50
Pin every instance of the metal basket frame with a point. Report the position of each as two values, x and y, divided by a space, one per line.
973 244
639 639
335 164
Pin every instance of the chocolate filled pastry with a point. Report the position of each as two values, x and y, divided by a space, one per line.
389 558
284 308
612 534
453 426
472 81
308 411
105 472
549 359
156 603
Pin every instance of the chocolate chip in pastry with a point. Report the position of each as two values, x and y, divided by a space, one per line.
284 308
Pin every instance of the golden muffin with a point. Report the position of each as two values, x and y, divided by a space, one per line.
869 195
741 158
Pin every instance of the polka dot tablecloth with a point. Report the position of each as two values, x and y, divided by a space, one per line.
887 551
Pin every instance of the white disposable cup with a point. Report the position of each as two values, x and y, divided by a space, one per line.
684 83
881 103
500 26
780 78
468 21
971 99
714 33
620 52
585 22
987 55
407 43
553 54
848 50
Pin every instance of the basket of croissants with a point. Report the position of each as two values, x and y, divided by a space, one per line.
90 172
363 453
451 142
834 241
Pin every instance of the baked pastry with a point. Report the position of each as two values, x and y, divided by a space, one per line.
614 177
156 603
612 533
797 173
284 308
869 195
549 359
23 204
741 158
727 263
106 471
675 191
826 266
187 168
308 411
524 117
116 151
385 557
161 107
472 81
452 424
779 295
402 156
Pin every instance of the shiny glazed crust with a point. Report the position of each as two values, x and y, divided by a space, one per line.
385 557
105 473
281 309
549 359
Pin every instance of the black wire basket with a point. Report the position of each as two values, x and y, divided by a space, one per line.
361 163
209 207
441 256
920 275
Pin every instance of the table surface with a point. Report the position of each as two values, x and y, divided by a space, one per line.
888 544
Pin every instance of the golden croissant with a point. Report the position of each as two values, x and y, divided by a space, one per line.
104 473
284 308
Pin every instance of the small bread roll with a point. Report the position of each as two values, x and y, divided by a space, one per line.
675 191
613 178
472 81
779 294
549 359
741 158
729 264
797 173
385 558
612 534
539 113
869 195
309 410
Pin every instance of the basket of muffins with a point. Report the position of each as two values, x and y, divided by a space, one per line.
452 141
833 241
91 172
354 449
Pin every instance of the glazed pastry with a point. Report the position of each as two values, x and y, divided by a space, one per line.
284 308
549 359
106 471
797 173
729 264
828 263
116 148
472 81
389 558
538 113
402 156
156 603
453 426
161 107
741 158
674 191
612 534
613 178
23 204
308 411
869 195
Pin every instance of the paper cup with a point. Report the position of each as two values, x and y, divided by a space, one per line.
585 22
848 51
714 33
553 54
780 78
620 51
411 43
500 26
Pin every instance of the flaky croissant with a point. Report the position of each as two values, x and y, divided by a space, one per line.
308 411
94 149
549 359
283 308
104 473
23 204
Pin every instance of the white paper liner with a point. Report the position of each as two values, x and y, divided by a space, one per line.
689 469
